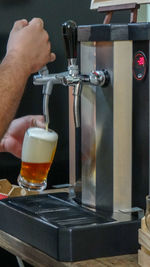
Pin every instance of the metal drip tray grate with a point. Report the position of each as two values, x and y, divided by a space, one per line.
57 211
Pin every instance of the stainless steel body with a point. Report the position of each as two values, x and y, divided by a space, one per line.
106 127
105 168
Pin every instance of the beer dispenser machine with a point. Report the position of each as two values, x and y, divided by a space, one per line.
109 102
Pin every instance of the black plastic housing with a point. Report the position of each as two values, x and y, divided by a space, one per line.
66 231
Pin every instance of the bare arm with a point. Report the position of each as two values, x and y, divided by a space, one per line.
12 83
28 50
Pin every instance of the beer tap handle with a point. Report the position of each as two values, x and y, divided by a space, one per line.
70 39
69 29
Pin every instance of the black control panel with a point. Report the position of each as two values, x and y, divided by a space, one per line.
140 130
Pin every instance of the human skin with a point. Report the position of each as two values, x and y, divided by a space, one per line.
28 50
13 139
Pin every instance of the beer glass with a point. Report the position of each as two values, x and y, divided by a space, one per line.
38 152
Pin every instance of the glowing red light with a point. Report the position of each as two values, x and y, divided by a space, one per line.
141 61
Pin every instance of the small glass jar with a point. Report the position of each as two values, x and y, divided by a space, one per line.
147 213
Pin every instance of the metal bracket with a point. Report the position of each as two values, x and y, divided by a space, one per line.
110 9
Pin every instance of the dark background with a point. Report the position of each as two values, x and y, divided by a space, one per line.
54 13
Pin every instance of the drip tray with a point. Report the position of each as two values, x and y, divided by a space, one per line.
64 230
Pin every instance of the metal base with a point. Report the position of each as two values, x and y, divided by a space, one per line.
66 231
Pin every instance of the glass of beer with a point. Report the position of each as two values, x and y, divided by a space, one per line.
38 150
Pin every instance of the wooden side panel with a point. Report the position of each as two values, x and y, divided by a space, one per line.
144 241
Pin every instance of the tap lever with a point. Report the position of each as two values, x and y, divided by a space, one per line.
44 71
69 29
42 77
76 104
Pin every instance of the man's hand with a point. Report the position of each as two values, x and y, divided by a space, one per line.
28 50
13 139
29 44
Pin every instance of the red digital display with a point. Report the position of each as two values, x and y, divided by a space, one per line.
141 61
139 66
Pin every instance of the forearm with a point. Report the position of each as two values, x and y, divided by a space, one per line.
13 78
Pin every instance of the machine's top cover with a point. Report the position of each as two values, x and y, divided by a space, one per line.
114 32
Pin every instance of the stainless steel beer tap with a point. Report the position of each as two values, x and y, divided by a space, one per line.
71 77
48 81
68 78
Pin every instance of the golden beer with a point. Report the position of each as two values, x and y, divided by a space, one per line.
38 152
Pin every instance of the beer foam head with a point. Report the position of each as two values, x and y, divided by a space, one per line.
42 134
39 145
